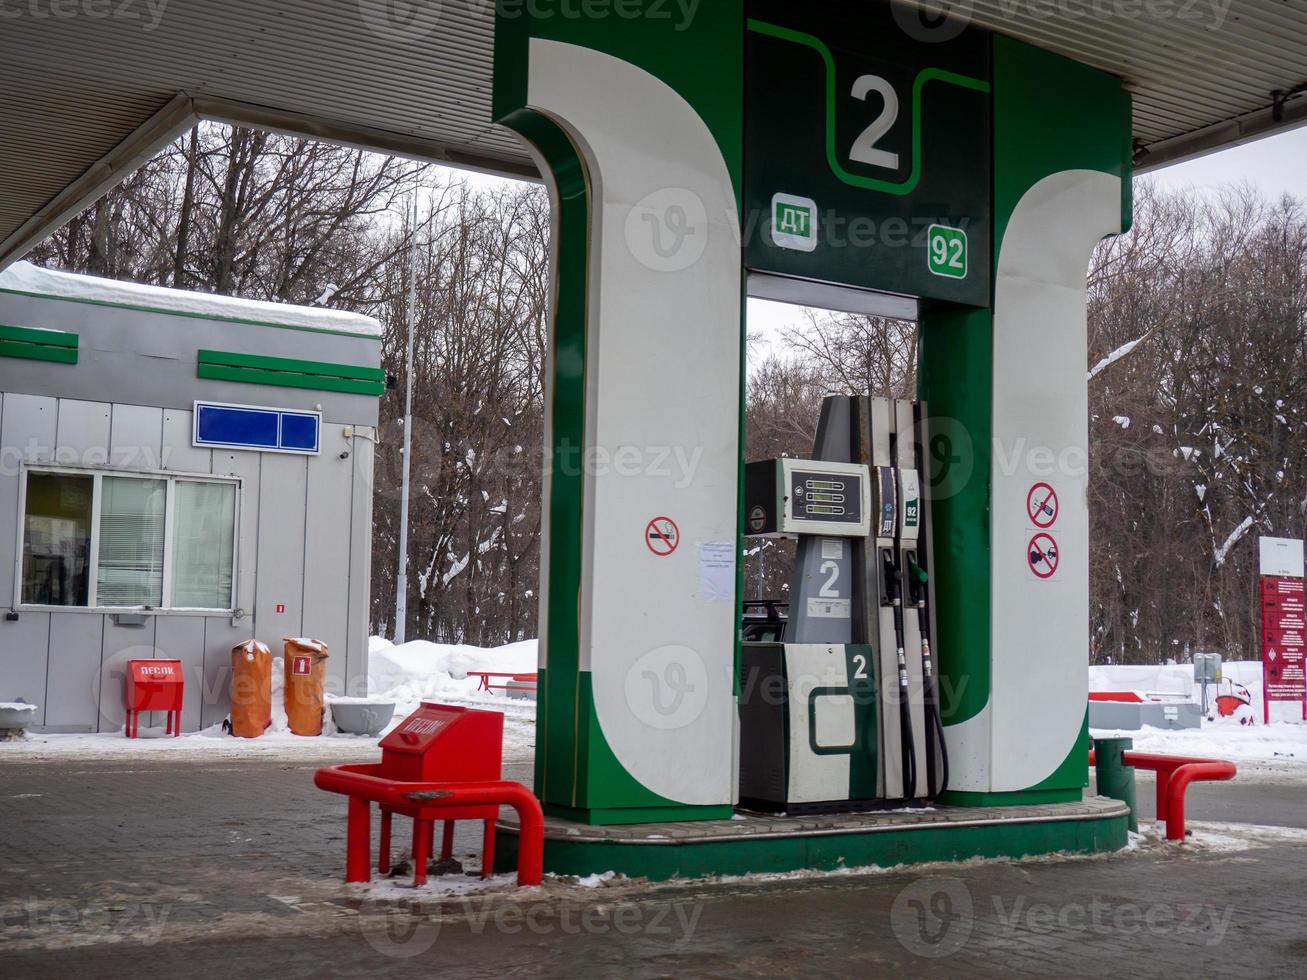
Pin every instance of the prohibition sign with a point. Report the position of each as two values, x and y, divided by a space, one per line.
1042 555
662 536
1041 505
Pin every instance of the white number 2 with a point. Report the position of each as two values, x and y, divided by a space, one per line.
828 591
864 147
860 670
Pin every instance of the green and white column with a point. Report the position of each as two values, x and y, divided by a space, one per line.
637 125
1011 523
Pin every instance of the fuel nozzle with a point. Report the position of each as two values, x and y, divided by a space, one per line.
890 586
918 578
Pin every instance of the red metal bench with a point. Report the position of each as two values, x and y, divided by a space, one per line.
1174 774
485 676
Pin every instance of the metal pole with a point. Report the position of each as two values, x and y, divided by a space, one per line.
410 314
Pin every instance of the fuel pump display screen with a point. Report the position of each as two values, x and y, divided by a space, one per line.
787 496
831 498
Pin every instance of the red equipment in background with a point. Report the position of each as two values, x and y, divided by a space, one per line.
1231 697
441 763
153 685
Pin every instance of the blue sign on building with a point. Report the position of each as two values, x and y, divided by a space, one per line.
269 430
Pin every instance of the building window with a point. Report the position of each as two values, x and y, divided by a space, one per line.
153 541
57 539
204 545
130 567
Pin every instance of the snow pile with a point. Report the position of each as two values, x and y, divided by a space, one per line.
1279 743
23 277
420 669
1173 679
1283 742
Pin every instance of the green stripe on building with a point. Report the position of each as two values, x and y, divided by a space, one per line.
287 372
31 344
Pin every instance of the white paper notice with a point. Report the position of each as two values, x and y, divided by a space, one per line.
830 609
832 548
717 571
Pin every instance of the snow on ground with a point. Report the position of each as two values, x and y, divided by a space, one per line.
1282 745
421 670
1225 738
409 674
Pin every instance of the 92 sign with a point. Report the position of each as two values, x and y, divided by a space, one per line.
946 251
885 138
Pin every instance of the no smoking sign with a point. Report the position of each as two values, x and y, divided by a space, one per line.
662 536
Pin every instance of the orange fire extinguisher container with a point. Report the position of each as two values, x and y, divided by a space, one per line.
251 689
306 672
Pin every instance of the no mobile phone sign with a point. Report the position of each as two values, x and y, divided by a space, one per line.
1041 505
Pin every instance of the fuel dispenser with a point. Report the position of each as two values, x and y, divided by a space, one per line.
844 713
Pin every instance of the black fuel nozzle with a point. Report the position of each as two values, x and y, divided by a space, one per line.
890 585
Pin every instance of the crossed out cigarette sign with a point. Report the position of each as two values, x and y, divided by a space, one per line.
662 536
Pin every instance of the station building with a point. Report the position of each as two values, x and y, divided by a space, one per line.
179 472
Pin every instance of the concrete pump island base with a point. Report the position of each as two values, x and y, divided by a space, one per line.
926 696
753 843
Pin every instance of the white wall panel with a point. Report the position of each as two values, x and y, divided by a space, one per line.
182 638
73 690
360 560
121 644
83 433
327 564
178 452
24 647
282 488
137 437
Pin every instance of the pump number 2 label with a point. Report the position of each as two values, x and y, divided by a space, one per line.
946 251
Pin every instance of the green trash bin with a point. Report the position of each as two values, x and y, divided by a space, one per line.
1113 777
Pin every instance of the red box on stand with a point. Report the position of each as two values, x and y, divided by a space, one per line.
440 742
154 685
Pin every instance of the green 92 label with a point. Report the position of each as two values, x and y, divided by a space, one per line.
946 251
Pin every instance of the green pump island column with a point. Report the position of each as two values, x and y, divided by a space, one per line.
636 122
967 171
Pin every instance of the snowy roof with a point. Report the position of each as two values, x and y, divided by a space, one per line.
23 277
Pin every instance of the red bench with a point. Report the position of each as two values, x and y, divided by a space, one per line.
486 675
1174 774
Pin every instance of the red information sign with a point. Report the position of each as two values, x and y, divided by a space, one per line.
1283 647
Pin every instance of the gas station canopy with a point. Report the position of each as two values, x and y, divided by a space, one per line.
94 88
